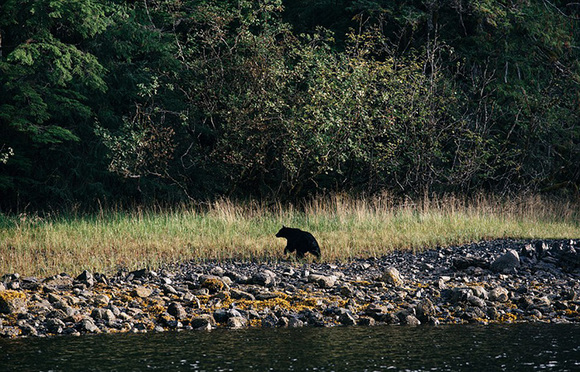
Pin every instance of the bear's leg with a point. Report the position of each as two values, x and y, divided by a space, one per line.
316 252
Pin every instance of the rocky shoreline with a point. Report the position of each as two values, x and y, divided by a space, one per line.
501 281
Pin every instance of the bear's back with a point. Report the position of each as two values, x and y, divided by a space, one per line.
290 233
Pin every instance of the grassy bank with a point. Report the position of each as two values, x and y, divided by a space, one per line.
345 228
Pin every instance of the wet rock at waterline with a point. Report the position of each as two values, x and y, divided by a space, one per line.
500 281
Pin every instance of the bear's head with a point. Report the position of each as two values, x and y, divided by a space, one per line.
283 232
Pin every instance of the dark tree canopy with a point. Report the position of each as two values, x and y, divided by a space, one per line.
165 101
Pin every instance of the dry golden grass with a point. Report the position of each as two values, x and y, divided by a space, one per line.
346 228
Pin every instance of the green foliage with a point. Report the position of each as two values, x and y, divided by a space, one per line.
136 101
45 80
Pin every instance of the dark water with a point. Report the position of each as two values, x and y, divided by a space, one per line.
447 348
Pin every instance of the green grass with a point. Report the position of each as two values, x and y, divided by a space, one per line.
346 228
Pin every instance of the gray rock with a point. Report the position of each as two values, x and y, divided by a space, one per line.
499 294
476 301
265 295
544 288
507 262
462 263
283 322
241 295
54 298
541 247
124 316
270 321
87 325
213 283
104 314
480 292
222 315
295 323
347 318
473 314
204 326
57 282
227 281
177 310
460 294
424 310
57 314
265 278
139 274
347 290
410 320
13 302
217 271
528 251
323 281
440 284
142 292
203 322
55 326
366 321
101 300
237 322
377 311
172 323
391 276
169 289
101 278
237 277
116 311
139 328
86 277
27 329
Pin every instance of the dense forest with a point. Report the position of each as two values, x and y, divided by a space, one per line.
122 102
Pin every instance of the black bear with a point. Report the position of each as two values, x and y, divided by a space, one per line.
299 241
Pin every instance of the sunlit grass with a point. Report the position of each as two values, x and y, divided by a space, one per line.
346 228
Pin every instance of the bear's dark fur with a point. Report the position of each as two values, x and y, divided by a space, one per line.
299 241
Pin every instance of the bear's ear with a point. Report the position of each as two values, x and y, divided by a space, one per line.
283 226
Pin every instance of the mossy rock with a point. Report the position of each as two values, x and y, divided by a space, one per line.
212 283
12 302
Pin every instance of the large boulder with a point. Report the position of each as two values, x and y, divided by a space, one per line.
265 278
425 309
203 322
87 325
177 310
12 302
346 317
507 262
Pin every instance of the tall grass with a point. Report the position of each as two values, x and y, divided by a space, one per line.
345 227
